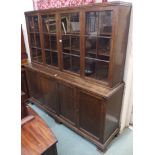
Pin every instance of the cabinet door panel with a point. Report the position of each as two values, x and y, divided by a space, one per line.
33 84
67 102
49 92
89 113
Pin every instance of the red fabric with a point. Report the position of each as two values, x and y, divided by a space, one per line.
45 4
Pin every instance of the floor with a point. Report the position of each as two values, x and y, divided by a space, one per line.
70 143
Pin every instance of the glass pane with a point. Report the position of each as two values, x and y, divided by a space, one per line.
55 58
103 46
38 40
75 23
33 53
66 42
36 26
52 24
46 41
105 22
75 64
75 43
90 44
66 51
65 24
66 62
70 23
92 23
90 67
32 40
101 70
39 55
48 57
30 23
45 23
53 41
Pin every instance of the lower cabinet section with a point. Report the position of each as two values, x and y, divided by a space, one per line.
92 115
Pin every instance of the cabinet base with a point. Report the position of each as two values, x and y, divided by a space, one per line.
100 146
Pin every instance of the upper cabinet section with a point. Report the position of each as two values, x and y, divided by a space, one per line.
70 34
87 41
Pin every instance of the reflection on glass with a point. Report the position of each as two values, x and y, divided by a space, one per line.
70 23
105 22
91 23
75 23
96 69
99 23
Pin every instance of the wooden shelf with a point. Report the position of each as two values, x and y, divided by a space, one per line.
71 34
66 48
71 54
48 33
96 59
98 36
36 47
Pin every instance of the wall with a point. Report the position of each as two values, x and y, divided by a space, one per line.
27 6
128 72
127 105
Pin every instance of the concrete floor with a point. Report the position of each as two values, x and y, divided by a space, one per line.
70 143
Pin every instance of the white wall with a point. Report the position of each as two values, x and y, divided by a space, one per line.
128 79
27 6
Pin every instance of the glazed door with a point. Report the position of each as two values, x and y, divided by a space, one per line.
70 41
49 93
67 102
90 114
34 38
98 35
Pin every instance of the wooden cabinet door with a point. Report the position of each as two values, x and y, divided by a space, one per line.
49 93
67 102
33 84
90 114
